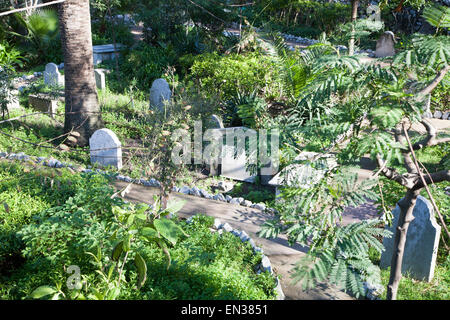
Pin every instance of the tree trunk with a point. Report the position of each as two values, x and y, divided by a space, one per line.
406 205
351 43
82 108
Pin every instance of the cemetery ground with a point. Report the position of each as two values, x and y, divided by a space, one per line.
129 121
358 129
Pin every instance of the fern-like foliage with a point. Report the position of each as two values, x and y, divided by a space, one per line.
438 16
345 261
313 217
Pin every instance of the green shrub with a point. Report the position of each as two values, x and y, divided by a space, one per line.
85 228
324 16
145 64
226 76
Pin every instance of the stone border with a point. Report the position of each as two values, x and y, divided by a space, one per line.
265 264
194 191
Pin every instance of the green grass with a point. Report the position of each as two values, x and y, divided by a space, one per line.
410 289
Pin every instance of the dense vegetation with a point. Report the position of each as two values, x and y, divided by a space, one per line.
312 95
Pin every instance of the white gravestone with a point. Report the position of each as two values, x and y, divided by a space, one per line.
159 93
100 79
422 240
52 77
385 45
105 52
106 148
235 158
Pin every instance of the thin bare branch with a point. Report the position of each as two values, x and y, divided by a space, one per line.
433 84
444 175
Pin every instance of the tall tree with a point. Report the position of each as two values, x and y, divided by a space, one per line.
351 44
82 107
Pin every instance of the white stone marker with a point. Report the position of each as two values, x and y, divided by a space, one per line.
106 148
422 240
235 159
100 79
159 92
385 45
52 77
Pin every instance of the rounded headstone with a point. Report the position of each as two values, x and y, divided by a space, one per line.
106 148
159 93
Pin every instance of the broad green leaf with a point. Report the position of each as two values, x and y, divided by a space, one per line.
42 291
149 232
141 268
175 206
168 229
127 243
117 251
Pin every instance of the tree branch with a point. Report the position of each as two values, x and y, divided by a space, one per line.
434 83
430 140
392 174
435 177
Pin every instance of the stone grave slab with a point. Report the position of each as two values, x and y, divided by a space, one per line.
52 76
106 149
159 93
385 45
43 103
100 79
422 240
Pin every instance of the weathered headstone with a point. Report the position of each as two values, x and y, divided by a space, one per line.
43 103
52 77
234 159
159 93
422 240
106 148
385 45
100 79
105 52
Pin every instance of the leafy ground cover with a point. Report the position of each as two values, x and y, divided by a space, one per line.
51 221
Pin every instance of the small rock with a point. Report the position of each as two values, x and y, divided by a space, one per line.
234 201
227 227
204 193
217 223
3 154
195 192
259 206
446 115
437 114
280 293
185 190
427 115
265 264
236 232
228 198
244 236
246 203
258 249
225 186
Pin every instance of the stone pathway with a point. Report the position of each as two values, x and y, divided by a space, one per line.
282 256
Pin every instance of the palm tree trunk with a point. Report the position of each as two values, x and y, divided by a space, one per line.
82 111
351 44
